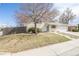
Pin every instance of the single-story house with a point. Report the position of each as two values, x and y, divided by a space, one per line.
48 27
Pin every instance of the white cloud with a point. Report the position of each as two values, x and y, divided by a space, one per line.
73 6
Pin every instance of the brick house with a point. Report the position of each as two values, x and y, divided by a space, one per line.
72 27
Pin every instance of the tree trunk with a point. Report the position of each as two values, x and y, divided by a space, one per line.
35 25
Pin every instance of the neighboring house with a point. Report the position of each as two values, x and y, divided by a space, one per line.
72 27
14 30
49 27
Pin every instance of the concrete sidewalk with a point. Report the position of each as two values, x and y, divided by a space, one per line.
69 48
72 33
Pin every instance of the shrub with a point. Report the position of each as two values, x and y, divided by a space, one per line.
75 30
32 30
78 26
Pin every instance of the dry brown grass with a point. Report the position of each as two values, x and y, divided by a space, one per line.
20 42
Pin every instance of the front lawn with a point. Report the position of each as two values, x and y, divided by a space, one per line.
20 42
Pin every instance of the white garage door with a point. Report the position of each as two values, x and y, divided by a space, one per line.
1 33
62 29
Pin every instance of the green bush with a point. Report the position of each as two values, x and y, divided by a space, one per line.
75 30
32 30
1 29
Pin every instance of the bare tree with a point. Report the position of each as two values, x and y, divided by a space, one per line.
36 12
66 16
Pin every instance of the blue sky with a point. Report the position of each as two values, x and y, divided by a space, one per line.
7 12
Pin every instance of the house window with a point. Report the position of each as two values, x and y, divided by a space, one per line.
53 26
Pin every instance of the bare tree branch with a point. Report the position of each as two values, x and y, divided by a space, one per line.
36 12
66 16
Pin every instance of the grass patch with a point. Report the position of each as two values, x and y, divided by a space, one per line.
20 42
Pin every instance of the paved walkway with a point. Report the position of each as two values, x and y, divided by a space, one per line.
69 48
72 33
64 35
